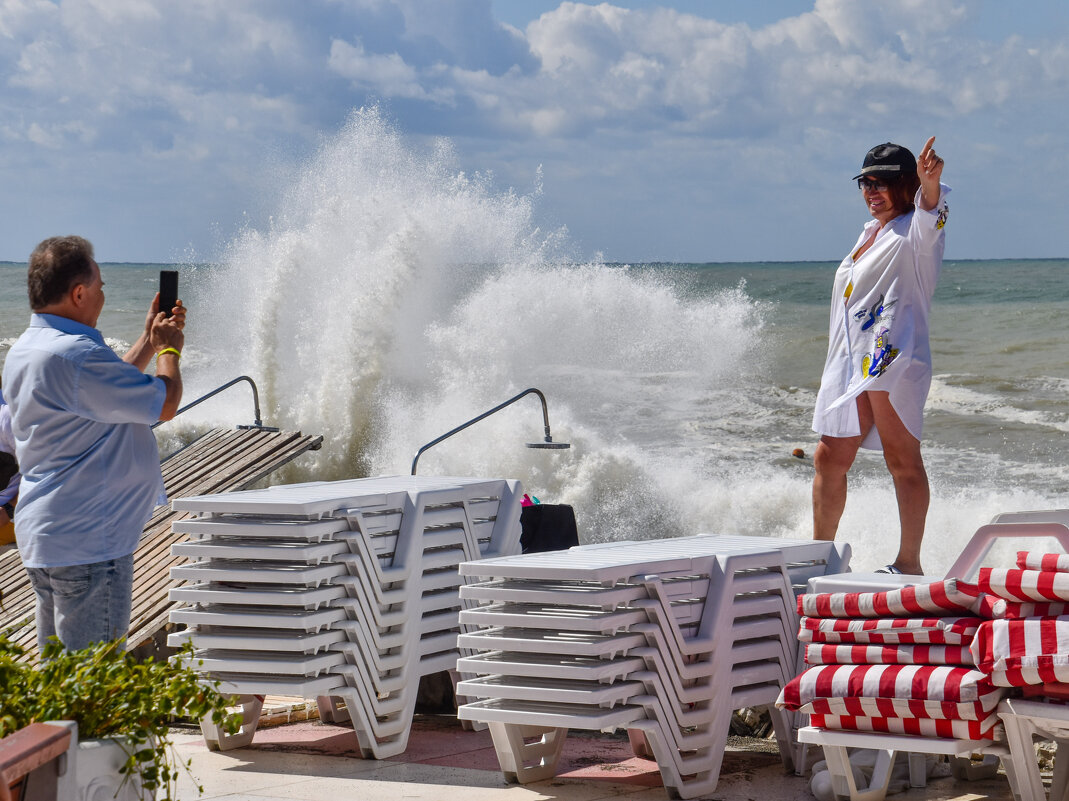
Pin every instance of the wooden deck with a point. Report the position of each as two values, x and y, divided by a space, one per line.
223 460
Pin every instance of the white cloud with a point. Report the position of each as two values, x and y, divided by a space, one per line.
387 75
604 65
17 16
202 90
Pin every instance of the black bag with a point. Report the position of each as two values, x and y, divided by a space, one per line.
547 527
8 468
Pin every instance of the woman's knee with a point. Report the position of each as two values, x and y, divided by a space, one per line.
834 457
905 464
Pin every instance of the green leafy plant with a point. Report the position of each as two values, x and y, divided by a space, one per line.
109 693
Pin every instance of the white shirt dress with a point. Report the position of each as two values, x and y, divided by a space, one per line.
878 330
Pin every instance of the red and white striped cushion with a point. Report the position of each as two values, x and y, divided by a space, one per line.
890 631
905 707
950 595
1037 560
1020 652
1016 610
1025 585
821 654
941 683
987 729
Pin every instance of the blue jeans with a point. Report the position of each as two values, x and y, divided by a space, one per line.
83 604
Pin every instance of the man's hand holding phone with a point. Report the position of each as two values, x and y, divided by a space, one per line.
166 339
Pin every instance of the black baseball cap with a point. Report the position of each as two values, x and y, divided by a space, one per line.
887 161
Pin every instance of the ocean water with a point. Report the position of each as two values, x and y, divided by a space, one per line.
393 297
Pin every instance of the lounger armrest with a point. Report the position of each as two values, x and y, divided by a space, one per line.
28 749
968 563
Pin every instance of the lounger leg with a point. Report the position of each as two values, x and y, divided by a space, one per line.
1011 776
781 725
918 769
842 774
514 754
330 711
1023 753
692 776
1059 786
640 746
218 740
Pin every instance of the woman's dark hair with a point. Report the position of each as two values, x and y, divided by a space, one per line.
56 266
903 189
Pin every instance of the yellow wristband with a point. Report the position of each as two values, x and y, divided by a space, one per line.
175 351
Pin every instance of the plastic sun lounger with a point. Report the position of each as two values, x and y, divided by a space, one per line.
300 551
262 573
552 690
671 613
694 590
233 639
281 618
347 592
225 593
579 594
224 661
552 665
255 528
1018 763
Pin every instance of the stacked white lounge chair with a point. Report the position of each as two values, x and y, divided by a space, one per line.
346 591
664 638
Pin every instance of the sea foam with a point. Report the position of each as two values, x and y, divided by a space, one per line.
395 297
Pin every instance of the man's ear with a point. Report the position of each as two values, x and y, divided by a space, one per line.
76 295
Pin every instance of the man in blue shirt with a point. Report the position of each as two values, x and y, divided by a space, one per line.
89 461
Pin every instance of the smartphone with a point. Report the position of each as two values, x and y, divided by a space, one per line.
168 290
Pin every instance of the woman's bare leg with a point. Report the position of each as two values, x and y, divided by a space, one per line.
902 452
832 460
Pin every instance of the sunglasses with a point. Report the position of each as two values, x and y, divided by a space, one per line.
871 185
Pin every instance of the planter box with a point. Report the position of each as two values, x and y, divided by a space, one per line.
92 771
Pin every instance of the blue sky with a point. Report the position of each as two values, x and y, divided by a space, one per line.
676 131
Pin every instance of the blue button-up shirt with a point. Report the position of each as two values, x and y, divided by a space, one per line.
90 465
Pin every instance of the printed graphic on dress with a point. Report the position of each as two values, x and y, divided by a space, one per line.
874 314
941 218
883 353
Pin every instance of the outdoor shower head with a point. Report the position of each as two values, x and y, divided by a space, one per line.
546 444
549 445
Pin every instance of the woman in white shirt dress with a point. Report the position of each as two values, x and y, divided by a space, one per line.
879 364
